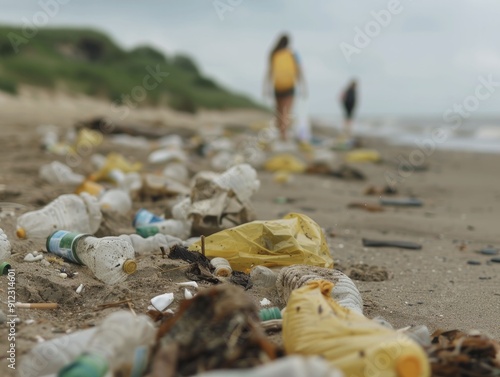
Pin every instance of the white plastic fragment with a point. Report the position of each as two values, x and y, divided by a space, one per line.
265 302
79 289
161 302
31 258
189 284
187 294
63 275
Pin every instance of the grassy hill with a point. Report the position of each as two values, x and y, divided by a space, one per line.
87 61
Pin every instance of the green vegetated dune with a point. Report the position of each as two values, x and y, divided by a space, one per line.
88 61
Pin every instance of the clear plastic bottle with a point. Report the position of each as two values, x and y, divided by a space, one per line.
57 172
263 276
77 213
50 356
111 259
344 292
151 244
5 247
121 342
116 200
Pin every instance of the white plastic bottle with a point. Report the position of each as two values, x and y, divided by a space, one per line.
5 247
50 356
116 200
151 244
57 172
122 341
77 213
111 259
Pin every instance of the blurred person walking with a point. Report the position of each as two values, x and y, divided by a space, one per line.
348 100
284 74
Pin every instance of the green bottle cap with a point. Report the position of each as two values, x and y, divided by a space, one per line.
270 313
4 268
85 366
147 231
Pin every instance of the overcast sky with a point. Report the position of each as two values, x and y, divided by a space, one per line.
427 57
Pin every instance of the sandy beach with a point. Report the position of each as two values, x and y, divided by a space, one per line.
434 286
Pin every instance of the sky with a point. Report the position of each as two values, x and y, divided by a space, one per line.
416 57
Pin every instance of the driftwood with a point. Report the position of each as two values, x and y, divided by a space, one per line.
456 354
111 127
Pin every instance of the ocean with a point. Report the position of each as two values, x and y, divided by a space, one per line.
477 135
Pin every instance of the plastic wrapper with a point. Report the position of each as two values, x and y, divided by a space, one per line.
285 162
295 239
314 324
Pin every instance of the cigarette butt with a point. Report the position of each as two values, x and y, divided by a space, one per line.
38 305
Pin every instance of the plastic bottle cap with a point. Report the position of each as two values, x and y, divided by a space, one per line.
20 233
270 313
130 266
4 268
85 365
409 366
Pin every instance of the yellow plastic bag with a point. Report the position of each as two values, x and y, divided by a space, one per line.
363 155
314 324
295 239
285 162
88 139
115 161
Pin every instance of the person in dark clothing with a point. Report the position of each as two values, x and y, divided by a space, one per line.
349 104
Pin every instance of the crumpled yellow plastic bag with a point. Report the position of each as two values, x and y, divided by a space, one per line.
295 239
115 161
363 155
314 324
285 162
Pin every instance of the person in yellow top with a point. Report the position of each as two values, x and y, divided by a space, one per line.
284 74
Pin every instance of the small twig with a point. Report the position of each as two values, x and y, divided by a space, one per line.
203 245
131 307
163 254
176 268
112 304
